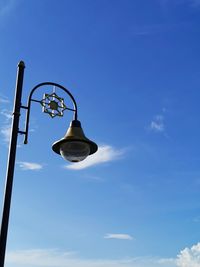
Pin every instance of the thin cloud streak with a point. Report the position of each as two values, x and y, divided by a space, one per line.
4 100
154 29
5 132
24 165
104 154
7 114
118 236
55 258
188 257
157 124
5 129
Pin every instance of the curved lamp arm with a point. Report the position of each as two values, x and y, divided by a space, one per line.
30 100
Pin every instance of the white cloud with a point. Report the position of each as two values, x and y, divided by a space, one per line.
6 113
29 166
5 132
55 258
104 154
5 129
189 257
157 124
4 100
118 236
94 178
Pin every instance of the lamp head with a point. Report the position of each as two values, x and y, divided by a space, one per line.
74 146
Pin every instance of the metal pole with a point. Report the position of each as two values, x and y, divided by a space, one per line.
11 162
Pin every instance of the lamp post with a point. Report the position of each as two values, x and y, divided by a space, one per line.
74 146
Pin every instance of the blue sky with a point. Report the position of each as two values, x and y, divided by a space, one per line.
133 68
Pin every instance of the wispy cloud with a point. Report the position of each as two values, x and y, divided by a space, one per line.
104 154
188 257
157 124
153 29
5 132
24 165
5 129
4 100
6 113
94 178
55 258
118 236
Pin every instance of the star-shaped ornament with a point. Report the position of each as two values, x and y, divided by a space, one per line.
53 105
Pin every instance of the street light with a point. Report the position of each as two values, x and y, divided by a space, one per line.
74 146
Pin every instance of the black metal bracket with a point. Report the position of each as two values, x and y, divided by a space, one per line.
30 99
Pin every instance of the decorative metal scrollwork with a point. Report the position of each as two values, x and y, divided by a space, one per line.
53 105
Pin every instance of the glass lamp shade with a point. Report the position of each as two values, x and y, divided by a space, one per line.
74 146
74 151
